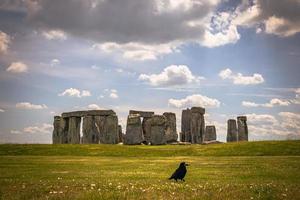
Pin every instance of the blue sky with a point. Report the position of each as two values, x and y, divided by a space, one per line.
231 57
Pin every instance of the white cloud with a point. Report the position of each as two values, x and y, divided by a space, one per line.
261 118
279 18
85 93
136 51
17 67
73 92
55 35
113 94
290 120
287 126
4 42
1 110
249 104
281 27
30 106
15 132
272 103
43 128
94 107
240 79
95 67
220 31
171 76
296 100
194 100
54 62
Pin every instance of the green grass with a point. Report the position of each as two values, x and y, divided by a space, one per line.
250 170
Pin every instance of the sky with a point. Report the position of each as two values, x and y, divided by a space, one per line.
232 57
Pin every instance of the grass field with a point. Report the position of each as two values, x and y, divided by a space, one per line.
250 170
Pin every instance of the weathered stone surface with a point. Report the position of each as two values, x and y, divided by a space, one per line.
158 130
186 125
90 130
196 128
110 132
141 113
74 130
60 131
198 110
88 112
56 135
231 130
64 128
242 128
210 133
182 137
146 124
171 131
134 131
120 134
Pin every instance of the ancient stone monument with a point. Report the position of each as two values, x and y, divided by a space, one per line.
193 125
154 129
185 134
231 130
98 126
171 130
210 133
242 128
134 131
101 127
237 130
158 129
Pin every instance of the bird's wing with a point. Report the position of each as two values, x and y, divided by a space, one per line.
175 174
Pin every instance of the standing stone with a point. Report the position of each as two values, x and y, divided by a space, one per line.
242 128
134 131
210 133
146 124
60 131
120 134
110 134
171 132
100 123
90 131
231 131
74 130
182 137
158 130
56 135
186 125
64 129
197 125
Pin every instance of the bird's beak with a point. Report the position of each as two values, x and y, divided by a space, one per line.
187 165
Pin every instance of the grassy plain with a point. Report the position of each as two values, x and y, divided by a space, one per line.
249 170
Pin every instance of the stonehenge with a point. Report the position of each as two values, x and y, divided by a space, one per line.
171 129
98 126
210 133
150 128
134 131
231 130
193 125
237 130
242 128
142 127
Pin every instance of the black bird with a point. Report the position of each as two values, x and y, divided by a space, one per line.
180 172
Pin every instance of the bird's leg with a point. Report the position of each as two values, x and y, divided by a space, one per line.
183 180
